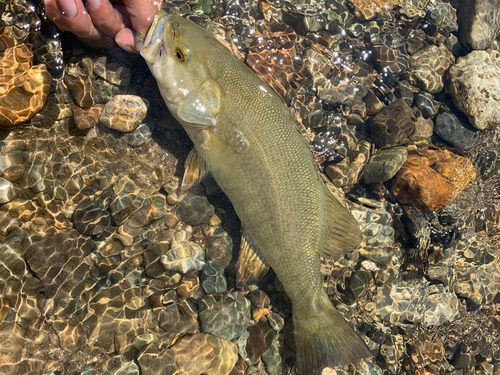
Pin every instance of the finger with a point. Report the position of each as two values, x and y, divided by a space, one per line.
142 13
106 17
125 39
71 15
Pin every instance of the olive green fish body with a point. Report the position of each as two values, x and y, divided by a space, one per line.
251 145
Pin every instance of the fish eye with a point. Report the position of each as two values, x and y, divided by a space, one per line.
182 53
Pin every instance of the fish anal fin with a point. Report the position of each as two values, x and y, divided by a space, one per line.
252 264
194 170
342 233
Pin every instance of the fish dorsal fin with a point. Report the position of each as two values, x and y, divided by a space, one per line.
342 232
200 108
252 264
195 170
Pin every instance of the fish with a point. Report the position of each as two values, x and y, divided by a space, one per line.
247 139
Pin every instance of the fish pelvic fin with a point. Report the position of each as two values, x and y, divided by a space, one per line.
342 233
252 264
195 170
325 339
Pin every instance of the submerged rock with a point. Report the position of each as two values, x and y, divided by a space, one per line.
451 129
24 88
225 319
393 124
124 112
475 88
479 22
183 255
385 164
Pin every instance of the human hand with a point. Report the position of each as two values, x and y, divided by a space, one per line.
103 21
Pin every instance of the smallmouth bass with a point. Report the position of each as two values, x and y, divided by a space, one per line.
245 136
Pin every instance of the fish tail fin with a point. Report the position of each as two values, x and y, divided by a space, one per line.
325 339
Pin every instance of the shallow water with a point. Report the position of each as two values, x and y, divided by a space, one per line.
106 268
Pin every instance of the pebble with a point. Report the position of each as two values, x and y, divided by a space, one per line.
385 164
195 209
178 319
226 319
6 191
272 358
451 129
24 87
425 102
479 22
390 61
87 118
260 339
127 368
475 88
219 248
432 178
213 279
81 82
393 124
184 257
90 218
112 71
136 204
140 135
124 113
488 162
428 66
276 321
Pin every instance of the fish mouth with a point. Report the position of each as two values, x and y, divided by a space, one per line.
151 47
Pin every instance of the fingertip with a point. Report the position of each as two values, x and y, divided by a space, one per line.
125 39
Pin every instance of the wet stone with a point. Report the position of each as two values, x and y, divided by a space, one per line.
225 319
80 82
377 230
6 191
425 102
87 118
451 129
219 248
428 66
183 256
136 204
259 299
488 163
385 164
390 61
475 88
58 262
24 88
124 113
479 22
405 91
213 279
90 218
260 339
11 351
178 319
112 71
272 358
195 209
139 135
392 125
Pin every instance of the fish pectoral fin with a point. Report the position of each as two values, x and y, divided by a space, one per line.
252 264
195 170
342 233
201 107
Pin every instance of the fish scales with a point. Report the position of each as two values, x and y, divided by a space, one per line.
251 145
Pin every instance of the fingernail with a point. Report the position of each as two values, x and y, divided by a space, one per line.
68 7
94 4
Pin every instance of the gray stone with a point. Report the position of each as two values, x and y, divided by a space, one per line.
449 127
213 279
479 22
124 113
139 135
272 359
127 368
112 71
225 319
219 248
425 102
91 219
385 164
195 209
475 88
6 191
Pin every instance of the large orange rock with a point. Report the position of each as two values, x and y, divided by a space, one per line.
432 178
23 87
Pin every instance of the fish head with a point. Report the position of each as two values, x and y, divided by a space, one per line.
175 50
